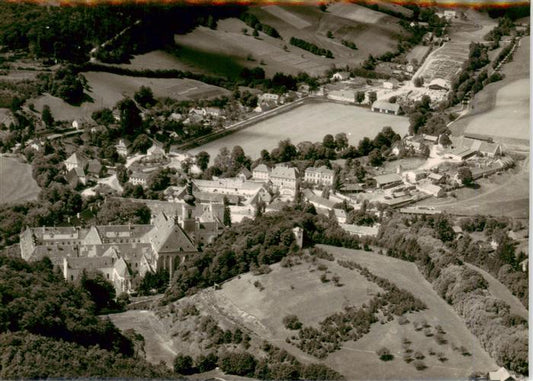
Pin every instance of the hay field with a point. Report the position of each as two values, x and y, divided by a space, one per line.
510 116
418 53
17 183
226 50
308 123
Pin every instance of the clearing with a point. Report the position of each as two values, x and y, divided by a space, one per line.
308 123
17 183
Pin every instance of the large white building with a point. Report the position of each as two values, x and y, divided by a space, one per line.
321 175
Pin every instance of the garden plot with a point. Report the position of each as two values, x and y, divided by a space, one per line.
445 62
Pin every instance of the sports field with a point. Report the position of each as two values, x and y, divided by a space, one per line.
308 123
16 182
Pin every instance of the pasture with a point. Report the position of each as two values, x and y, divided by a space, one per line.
17 183
308 123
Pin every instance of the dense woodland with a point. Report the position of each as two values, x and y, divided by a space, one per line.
49 328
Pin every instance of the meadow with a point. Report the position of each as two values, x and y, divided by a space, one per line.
17 183
308 123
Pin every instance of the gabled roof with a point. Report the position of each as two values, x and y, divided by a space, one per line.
384 105
77 159
387 179
284 172
261 168
323 170
176 240
342 74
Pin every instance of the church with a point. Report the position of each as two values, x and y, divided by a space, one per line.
125 253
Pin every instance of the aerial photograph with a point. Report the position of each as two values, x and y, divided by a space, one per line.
264 190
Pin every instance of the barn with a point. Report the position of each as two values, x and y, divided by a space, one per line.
386 107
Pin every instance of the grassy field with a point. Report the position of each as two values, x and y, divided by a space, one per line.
298 290
418 53
227 46
504 103
106 89
308 123
17 184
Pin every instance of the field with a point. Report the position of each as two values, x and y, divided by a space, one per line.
417 53
308 123
227 46
17 184
500 195
106 89
504 103
299 290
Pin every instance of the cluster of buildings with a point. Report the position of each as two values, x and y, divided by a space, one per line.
125 253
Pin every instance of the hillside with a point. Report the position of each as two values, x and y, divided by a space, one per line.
314 290
373 32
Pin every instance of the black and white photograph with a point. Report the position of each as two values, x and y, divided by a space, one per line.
264 190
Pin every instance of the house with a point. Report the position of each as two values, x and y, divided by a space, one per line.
449 14
75 177
155 152
321 175
351 188
139 178
465 145
199 111
386 107
437 178
388 181
391 83
94 168
230 186
524 265
265 106
340 76
284 179
244 174
501 375
431 189
342 95
361 231
430 139
261 172
415 176
422 210
318 201
122 148
410 68
439 84
215 112
268 97
76 160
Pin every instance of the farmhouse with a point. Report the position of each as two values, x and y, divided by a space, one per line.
462 146
76 160
351 188
388 181
124 252
436 178
341 76
391 84
236 187
215 112
261 172
342 95
321 175
431 189
419 211
386 107
156 152
430 139
268 97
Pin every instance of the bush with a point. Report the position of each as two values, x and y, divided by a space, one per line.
206 363
384 354
419 365
183 364
292 322
239 363
419 355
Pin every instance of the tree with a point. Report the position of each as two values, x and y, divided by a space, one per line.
360 96
330 34
328 141
183 364
103 116
341 141
372 97
101 291
393 99
375 158
130 117
384 354
418 81
444 140
122 174
202 159
47 116
464 174
145 97
255 33
141 144
227 214
239 363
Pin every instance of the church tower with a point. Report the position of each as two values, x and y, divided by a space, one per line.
188 222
